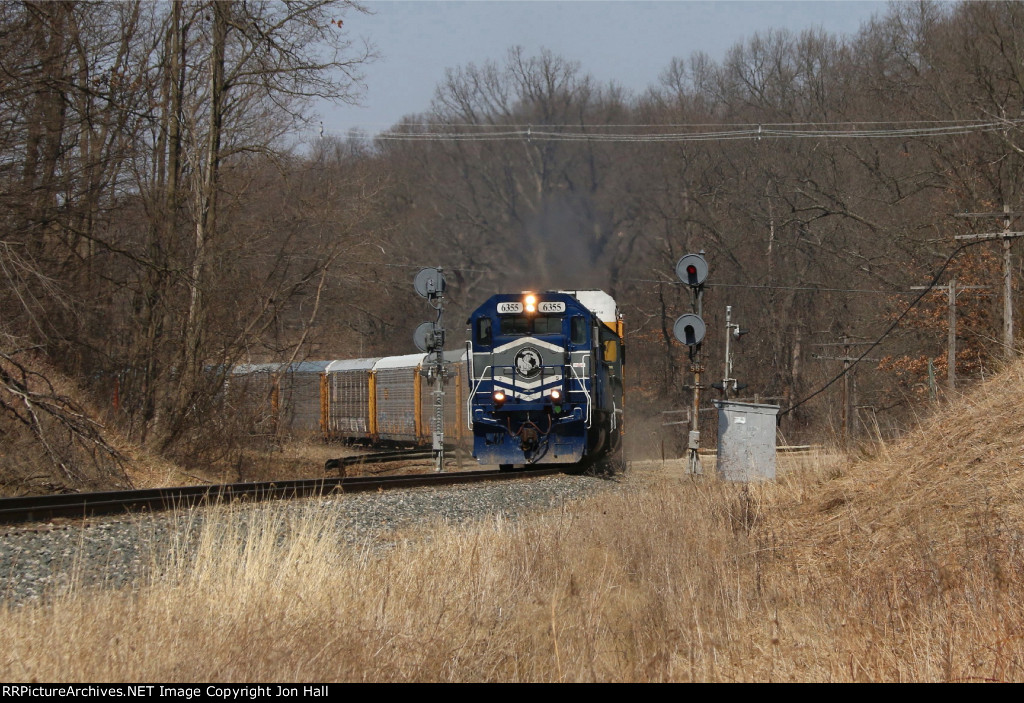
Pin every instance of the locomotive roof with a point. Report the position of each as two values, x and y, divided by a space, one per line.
598 302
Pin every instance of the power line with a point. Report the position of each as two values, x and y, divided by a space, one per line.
885 334
924 291
747 286
619 125
717 133
753 286
718 136
848 128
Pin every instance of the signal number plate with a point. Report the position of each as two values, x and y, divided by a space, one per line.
513 308
551 307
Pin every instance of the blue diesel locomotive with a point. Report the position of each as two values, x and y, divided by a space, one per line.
545 379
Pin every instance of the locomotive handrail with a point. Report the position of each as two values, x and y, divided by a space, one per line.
583 388
472 395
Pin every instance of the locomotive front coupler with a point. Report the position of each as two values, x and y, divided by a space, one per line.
528 434
530 437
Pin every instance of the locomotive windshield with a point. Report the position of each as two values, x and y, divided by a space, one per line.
531 324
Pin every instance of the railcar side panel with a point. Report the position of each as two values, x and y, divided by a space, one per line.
299 398
398 398
349 412
250 394
350 404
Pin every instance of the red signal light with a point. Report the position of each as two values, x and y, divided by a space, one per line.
692 269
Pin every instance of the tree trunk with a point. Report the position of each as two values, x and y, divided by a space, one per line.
206 221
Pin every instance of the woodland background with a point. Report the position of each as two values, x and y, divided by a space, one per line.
166 215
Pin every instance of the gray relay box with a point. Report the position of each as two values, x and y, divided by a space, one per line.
746 440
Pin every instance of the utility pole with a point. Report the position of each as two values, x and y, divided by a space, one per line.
1006 235
849 389
951 291
951 339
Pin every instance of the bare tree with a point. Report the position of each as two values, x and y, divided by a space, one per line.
118 123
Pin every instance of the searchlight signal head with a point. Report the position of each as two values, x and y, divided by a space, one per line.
689 329
692 269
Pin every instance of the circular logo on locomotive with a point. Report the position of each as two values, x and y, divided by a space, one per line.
528 362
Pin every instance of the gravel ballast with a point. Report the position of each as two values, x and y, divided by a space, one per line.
118 552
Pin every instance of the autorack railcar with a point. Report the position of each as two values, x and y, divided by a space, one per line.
371 400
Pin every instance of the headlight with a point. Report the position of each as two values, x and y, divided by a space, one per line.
499 397
556 395
531 303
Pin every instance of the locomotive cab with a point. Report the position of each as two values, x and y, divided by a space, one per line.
545 378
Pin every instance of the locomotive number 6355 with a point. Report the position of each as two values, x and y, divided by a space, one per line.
545 378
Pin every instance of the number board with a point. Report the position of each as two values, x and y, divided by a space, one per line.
509 308
551 307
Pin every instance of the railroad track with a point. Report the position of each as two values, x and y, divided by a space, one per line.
378 458
78 505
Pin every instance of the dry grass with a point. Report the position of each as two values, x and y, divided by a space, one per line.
906 566
287 460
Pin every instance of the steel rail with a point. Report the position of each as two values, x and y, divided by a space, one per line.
79 505
378 457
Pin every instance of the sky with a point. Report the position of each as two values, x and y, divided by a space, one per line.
629 42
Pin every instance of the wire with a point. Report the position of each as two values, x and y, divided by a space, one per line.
885 334
748 132
718 131
750 286
413 266
477 125
929 288
814 289
722 136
